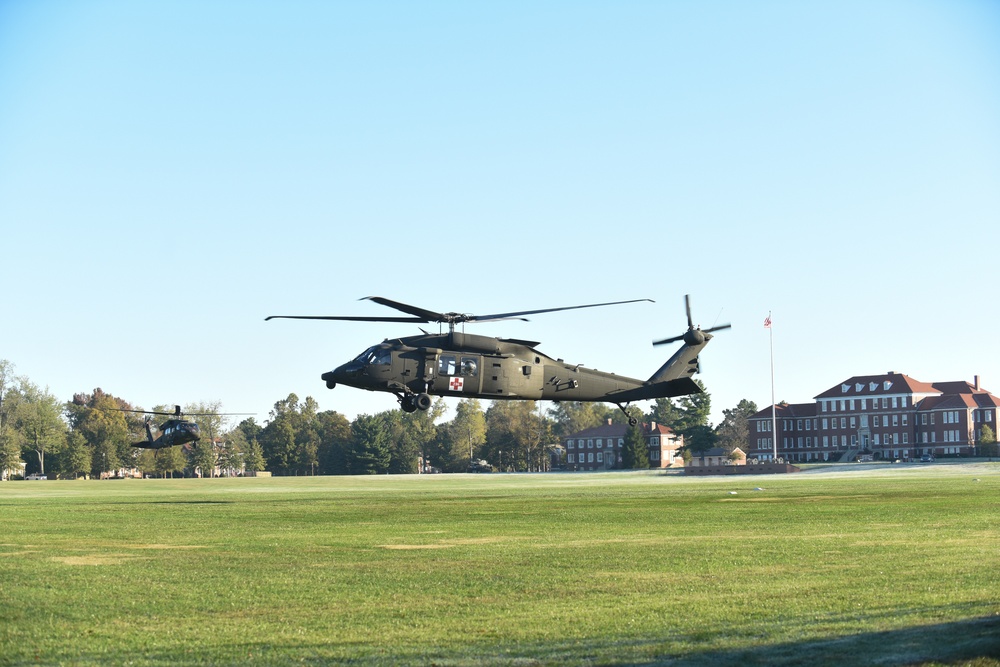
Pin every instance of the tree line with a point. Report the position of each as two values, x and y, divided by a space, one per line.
92 434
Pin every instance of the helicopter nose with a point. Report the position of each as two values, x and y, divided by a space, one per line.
342 374
330 378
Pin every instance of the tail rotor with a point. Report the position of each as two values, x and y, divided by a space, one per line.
694 335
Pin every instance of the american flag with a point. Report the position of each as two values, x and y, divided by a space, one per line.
767 321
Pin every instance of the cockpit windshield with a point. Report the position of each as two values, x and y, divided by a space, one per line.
375 355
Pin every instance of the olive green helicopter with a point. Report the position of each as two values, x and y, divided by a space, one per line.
462 365
173 432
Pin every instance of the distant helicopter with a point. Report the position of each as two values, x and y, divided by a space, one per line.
173 432
414 368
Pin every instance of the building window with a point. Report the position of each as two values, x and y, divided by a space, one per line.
570 458
600 457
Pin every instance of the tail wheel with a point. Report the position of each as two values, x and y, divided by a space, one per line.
423 401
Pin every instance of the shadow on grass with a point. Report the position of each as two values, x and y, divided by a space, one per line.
957 642
973 642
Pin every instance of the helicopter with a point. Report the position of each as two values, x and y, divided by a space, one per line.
173 432
457 364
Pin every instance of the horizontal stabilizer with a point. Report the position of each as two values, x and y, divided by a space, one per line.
679 387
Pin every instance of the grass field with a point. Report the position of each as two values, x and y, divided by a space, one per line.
884 565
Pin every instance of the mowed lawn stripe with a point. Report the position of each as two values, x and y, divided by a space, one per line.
619 568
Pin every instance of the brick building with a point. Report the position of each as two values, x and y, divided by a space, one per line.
599 448
889 416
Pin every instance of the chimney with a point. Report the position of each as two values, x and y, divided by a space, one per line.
652 426
975 382
609 421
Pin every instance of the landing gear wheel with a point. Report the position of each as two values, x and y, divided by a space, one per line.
407 404
330 384
632 421
423 401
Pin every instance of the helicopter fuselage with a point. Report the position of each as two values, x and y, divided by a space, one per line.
466 365
173 432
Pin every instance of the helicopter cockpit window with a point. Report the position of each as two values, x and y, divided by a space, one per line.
469 366
446 365
375 355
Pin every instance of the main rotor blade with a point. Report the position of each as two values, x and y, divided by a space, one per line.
502 316
423 313
348 319
718 328
687 307
669 340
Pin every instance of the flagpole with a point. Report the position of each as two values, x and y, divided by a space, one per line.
774 407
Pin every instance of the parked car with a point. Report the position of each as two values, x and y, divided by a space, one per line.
927 458
35 475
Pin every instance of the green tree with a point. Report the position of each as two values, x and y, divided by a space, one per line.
98 417
369 454
231 453
76 457
687 416
987 442
734 431
404 440
204 457
515 436
247 433
169 460
635 451
39 419
461 439
575 416
334 442
10 440
665 412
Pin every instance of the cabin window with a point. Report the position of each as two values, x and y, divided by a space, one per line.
469 366
447 364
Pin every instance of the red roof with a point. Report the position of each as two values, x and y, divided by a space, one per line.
886 383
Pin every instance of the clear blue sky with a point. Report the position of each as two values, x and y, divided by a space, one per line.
172 173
